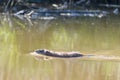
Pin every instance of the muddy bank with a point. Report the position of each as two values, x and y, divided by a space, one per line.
49 9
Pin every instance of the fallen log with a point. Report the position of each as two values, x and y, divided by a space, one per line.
36 14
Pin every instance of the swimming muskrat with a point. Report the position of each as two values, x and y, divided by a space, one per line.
47 54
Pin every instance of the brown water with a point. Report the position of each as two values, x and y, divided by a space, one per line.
85 34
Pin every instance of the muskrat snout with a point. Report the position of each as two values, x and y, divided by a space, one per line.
34 54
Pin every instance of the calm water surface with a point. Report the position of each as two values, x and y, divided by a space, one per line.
86 35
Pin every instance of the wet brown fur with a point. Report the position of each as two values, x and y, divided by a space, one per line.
49 53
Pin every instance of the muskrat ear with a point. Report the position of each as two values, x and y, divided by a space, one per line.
40 51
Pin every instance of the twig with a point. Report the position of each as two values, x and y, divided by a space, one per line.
109 5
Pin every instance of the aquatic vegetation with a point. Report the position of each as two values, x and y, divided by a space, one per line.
8 48
62 40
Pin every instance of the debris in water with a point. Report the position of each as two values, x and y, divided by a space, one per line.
116 11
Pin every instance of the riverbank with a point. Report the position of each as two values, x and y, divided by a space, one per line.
14 6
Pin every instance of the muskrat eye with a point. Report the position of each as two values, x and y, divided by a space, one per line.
40 51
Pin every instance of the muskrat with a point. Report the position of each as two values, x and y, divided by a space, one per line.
47 54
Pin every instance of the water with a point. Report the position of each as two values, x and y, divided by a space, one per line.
86 35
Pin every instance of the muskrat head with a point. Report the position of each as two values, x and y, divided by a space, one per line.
40 51
40 54
37 52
